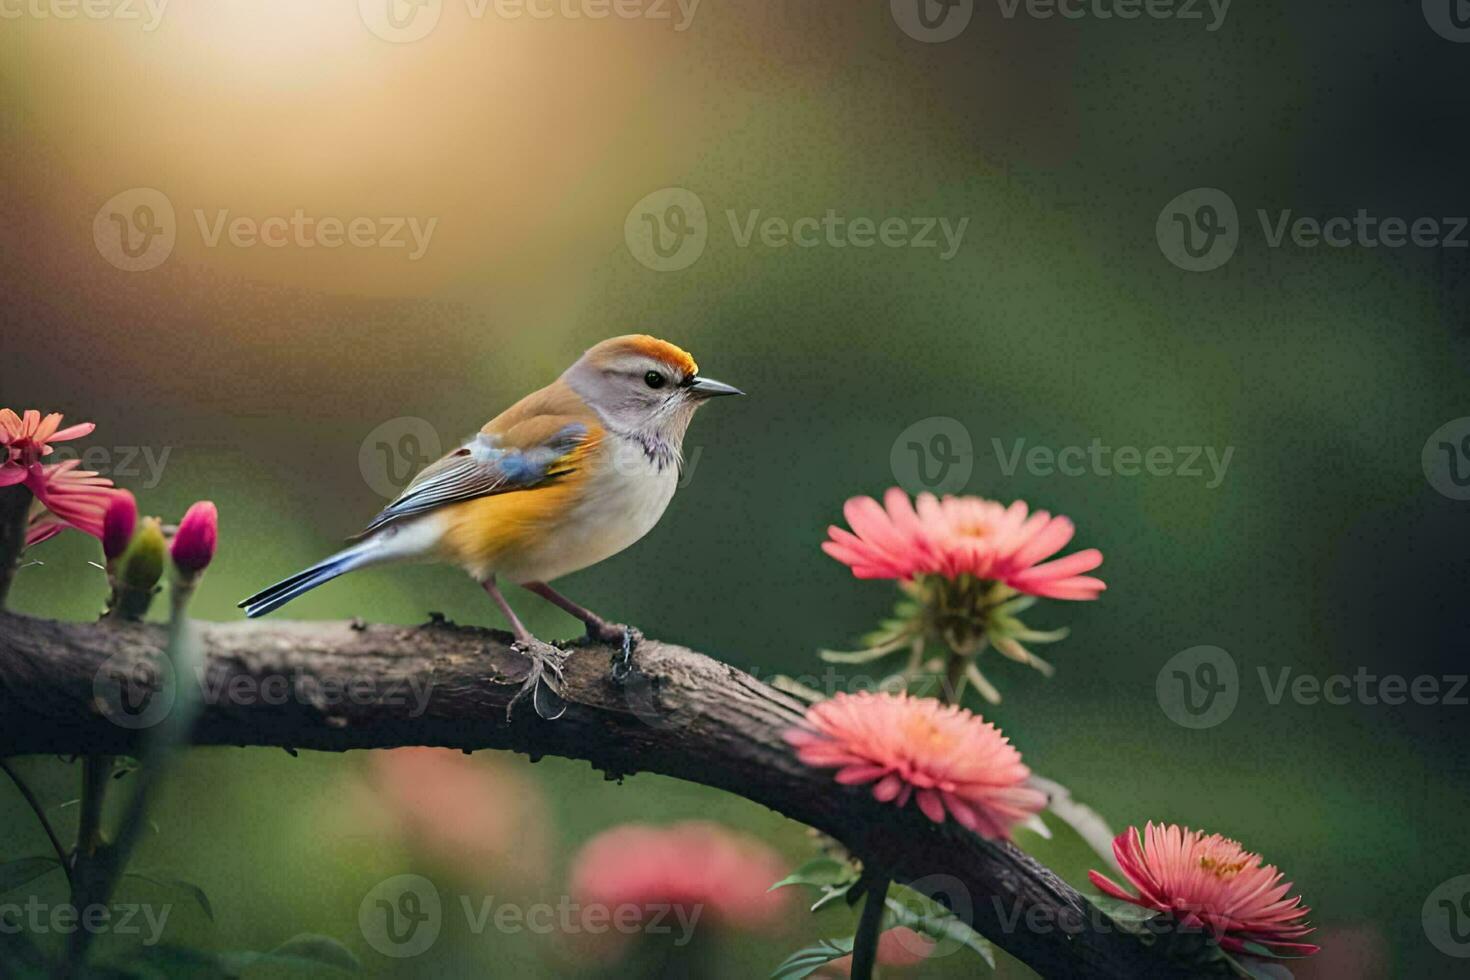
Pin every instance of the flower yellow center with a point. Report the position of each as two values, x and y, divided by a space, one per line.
1221 868
973 529
923 732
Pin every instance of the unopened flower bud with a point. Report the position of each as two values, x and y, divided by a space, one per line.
118 523
142 563
193 545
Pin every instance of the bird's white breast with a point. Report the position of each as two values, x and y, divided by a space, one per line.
624 498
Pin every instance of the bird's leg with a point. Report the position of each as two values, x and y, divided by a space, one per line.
545 660
598 628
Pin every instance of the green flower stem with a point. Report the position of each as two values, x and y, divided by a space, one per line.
954 678
956 670
107 862
15 508
870 927
95 770
87 872
35 805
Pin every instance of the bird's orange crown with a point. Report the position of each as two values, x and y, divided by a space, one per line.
642 344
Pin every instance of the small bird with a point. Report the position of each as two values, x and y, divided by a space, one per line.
566 477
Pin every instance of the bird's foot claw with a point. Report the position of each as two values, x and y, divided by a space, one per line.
543 681
626 638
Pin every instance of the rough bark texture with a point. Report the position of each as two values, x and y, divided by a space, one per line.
339 686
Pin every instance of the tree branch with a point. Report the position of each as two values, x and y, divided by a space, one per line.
338 686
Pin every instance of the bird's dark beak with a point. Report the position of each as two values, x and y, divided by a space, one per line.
709 388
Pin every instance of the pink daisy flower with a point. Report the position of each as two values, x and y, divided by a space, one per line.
67 497
948 760
886 541
957 536
689 865
25 439
1210 882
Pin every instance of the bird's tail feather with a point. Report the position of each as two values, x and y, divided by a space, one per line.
276 596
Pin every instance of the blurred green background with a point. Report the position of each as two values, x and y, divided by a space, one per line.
267 377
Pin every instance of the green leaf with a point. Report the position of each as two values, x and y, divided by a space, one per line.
1129 917
1256 949
1256 970
1042 636
805 962
854 656
1010 607
906 907
818 872
193 890
1083 820
832 893
304 950
15 873
796 689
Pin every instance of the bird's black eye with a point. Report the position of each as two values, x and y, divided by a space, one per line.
654 380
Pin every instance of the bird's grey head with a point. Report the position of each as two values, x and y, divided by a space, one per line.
643 387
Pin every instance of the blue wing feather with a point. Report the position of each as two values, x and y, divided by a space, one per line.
480 467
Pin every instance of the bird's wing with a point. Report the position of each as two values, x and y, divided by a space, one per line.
527 454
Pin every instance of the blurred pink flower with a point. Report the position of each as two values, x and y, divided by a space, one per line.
26 438
193 545
67 497
898 948
474 817
957 536
1209 882
944 757
691 865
